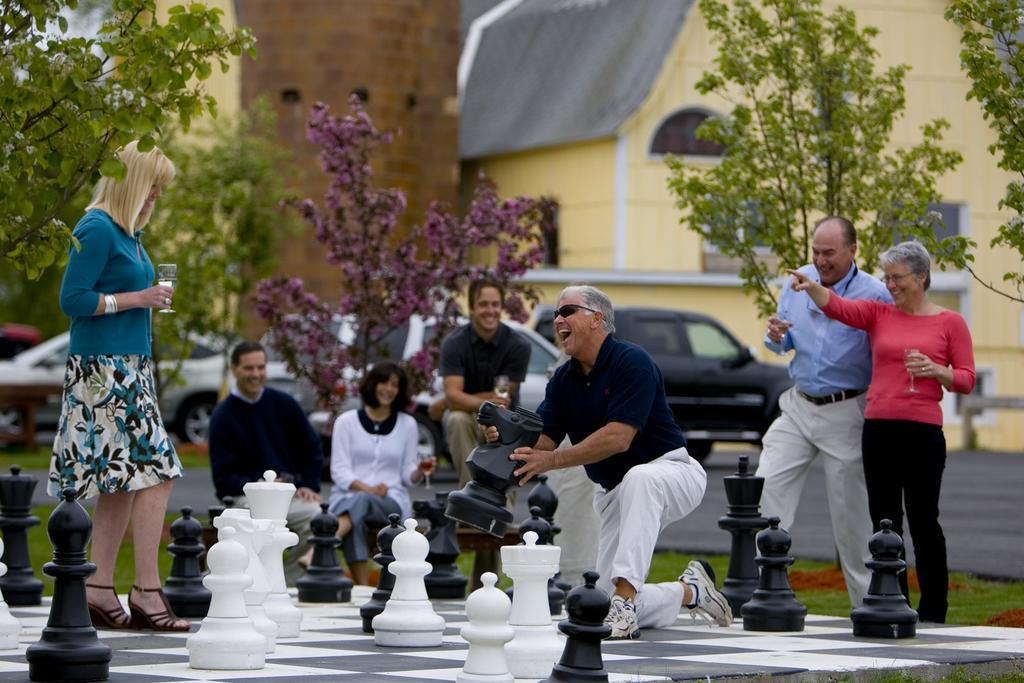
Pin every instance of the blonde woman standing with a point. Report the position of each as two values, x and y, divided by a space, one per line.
111 441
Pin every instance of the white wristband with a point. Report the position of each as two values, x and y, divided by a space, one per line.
109 304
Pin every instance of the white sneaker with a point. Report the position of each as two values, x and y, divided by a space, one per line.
622 618
711 607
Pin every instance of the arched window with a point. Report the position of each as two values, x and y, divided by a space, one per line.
677 135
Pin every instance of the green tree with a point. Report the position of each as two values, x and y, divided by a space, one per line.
221 222
808 136
993 31
67 102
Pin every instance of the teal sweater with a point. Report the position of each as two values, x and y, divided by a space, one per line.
109 261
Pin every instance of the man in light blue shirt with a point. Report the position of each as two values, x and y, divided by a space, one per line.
823 414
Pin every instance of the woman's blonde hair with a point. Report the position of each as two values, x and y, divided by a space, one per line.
123 199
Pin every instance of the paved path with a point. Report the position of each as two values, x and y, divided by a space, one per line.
981 511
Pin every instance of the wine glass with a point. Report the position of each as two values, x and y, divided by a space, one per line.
906 354
166 276
426 466
502 386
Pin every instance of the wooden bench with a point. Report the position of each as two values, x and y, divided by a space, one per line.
26 399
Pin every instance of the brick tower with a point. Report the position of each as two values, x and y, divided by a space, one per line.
400 56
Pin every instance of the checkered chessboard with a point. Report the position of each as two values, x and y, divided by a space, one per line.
333 648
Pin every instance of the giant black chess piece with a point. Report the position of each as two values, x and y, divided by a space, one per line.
386 581
184 586
545 498
324 580
68 649
885 612
20 585
481 502
444 581
773 606
587 606
743 521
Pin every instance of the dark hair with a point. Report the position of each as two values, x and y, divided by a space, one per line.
381 372
477 285
849 232
243 348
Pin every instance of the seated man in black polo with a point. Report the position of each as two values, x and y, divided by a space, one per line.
258 428
471 358
610 400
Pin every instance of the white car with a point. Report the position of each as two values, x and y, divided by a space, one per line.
186 405
409 338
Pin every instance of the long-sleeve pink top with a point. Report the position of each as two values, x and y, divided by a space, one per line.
943 337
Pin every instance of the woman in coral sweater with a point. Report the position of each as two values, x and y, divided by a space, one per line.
917 349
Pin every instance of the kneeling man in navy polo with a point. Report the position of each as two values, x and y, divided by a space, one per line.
609 398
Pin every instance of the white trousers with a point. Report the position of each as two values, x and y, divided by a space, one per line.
632 515
801 433
577 519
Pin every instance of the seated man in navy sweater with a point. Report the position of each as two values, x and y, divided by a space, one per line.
258 428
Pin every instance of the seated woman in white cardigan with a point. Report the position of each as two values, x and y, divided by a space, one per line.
373 460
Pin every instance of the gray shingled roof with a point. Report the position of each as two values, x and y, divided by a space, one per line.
557 71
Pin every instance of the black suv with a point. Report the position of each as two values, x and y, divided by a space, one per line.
717 390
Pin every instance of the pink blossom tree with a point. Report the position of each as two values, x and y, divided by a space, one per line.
386 274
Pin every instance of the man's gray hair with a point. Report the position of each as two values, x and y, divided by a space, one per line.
913 255
596 299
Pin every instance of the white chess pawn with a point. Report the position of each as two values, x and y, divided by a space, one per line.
253 534
487 609
269 499
537 645
227 639
9 626
408 619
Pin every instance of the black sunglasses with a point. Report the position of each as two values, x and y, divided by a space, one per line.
568 309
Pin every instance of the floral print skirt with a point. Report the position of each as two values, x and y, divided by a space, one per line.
110 436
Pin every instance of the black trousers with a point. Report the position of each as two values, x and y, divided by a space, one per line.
903 464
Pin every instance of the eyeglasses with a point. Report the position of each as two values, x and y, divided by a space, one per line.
894 278
568 309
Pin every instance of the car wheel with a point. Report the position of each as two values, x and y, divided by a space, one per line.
430 440
194 418
699 450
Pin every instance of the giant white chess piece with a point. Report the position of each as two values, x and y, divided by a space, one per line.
9 626
408 619
487 632
269 499
227 639
253 534
537 644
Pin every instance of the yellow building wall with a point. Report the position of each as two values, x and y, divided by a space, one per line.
912 32
581 177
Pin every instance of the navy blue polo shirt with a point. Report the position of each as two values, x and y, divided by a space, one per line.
625 385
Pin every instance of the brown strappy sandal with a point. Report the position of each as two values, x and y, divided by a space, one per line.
156 621
114 618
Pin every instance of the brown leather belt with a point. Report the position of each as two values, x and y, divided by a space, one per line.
831 398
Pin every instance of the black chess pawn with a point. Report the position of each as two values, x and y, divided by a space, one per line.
444 581
544 497
19 585
68 649
324 580
885 612
773 606
184 586
587 606
743 521
540 526
386 581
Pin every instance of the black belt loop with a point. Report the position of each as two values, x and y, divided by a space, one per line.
831 398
